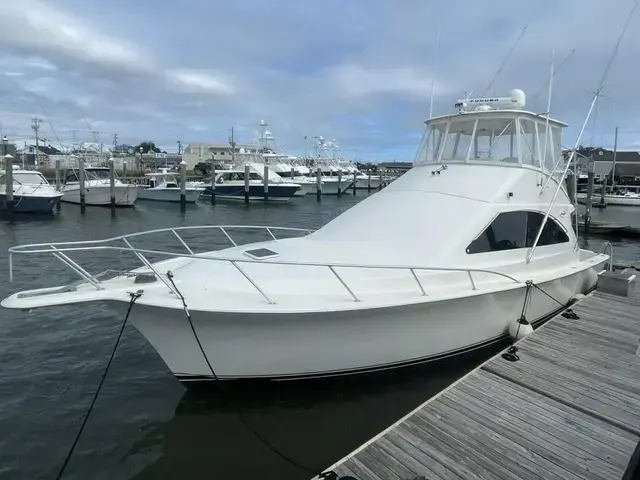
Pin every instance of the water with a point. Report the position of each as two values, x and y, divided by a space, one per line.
146 425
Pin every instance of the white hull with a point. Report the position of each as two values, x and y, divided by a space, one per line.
330 187
126 195
169 194
297 345
363 183
611 199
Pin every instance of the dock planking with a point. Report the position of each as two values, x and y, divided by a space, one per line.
569 408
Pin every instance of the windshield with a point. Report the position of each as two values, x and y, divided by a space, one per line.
519 139
26 178
94 173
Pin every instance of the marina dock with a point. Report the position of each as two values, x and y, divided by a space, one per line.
568 408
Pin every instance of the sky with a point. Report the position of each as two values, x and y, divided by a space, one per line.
357 71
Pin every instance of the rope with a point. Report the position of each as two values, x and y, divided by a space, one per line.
134 297
238 409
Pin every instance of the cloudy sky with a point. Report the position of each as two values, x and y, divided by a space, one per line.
359 71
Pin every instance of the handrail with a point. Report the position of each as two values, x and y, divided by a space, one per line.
58 250
607 246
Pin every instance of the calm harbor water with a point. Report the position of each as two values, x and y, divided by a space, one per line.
146 425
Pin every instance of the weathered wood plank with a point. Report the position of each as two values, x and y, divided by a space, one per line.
557 389
549 462
569 409
584 450
615 440
532 437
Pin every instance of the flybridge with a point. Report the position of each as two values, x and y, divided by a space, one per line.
515 101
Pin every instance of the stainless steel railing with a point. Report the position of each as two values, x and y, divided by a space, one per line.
59 251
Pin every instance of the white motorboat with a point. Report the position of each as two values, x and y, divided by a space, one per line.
466 247
31 192
163 186
628 198
97 188
230 185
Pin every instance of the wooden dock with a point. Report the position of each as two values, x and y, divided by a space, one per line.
568 409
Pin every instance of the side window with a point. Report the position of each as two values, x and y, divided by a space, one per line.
71 177
552 233
512 230
506 232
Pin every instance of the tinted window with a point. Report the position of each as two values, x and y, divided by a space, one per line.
552 233
511 230
506 232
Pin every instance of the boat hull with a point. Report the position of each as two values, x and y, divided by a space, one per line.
169 194
30 203
277 193
126 196
303 345
611 200
363 183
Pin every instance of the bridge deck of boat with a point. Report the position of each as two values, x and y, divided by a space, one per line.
569 408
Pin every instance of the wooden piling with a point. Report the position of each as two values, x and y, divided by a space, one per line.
81 185
213 183
265 181
247 184
112 185
8 176
183 185
318 183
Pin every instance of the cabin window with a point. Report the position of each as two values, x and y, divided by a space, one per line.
458 141
513 230
70 177
495 141
528 142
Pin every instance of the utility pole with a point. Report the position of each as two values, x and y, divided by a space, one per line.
232 142
179 147
35 126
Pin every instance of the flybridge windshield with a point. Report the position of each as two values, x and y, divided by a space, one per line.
515 139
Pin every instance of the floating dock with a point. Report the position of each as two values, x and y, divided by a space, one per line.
568 409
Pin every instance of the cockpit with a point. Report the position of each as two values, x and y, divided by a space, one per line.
486 134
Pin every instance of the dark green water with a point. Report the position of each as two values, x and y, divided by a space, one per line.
148 426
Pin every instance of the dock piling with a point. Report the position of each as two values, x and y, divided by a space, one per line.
318 183
183 185
355 180
247 185
265 181
81 184
112 185
213 183
8 168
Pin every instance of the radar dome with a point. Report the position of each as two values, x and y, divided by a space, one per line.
518 97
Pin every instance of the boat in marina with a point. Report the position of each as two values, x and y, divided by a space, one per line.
163 186
32 193
97 188
230 185
626 198
475 235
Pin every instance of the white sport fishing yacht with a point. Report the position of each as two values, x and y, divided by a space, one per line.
97 188
476 231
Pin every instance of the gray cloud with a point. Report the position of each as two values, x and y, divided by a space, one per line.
359 71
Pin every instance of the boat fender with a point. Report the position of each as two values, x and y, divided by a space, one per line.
520 329
577 298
